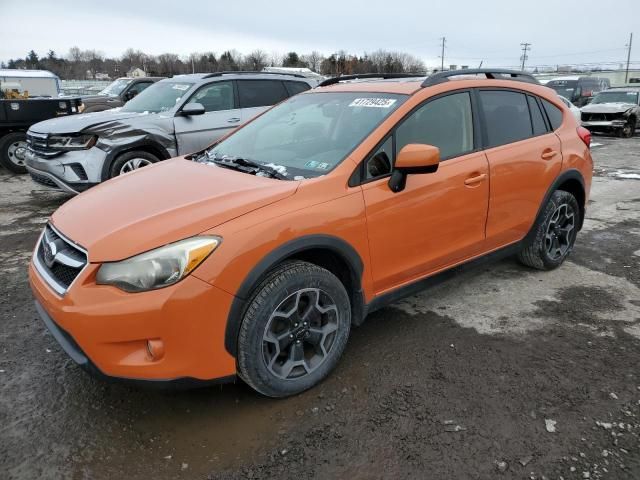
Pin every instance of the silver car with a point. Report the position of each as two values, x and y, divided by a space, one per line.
175 116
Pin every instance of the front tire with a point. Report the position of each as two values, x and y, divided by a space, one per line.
13 148
130 161
629 129
555 233
294 329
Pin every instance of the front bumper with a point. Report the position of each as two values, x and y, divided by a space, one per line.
604 124
72 172
106 331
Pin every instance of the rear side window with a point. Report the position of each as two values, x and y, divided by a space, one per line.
554 114
539 126
445 122
506 115
296 87
260 93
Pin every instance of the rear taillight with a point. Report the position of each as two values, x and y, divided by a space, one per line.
585 136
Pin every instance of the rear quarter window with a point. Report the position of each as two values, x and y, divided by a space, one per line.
554 114
296 87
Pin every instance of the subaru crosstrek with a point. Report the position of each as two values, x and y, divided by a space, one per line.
255 256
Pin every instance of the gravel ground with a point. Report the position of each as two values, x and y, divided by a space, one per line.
501 372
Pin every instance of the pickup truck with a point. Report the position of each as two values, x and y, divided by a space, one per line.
28 97
117 93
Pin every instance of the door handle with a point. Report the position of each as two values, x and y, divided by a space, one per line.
233 120
475 180
548 154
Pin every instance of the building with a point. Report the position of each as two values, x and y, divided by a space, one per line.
136 73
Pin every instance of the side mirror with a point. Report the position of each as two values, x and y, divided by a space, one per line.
413 158
193 109
130 94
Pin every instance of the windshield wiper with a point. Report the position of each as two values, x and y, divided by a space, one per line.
249 166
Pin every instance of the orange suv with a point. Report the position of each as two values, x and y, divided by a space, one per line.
256 256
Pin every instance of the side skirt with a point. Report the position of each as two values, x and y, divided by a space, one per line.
424 283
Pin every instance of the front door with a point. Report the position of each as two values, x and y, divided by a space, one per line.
221 116
439 218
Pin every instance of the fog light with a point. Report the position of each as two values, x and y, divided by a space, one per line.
155 349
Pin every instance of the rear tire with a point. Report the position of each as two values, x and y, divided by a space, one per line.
554 233
130 161
294 329
13 148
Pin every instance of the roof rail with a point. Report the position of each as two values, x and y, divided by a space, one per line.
341 78
491 73
246 72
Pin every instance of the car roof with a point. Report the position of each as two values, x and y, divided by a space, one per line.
622 89
205 77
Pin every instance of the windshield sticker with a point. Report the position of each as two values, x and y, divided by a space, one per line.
311 164
180 86
373 102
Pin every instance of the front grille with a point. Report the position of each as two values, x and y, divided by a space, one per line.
59 260
600 117
42 180
78 170
38 143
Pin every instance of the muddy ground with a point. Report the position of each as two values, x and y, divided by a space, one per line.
461 381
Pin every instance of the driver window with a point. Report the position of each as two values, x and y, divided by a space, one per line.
445 122
379 164
214 97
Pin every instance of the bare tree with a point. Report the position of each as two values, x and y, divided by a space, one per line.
256 60
314 60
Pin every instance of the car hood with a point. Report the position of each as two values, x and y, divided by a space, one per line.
607 107
97 98
78 123
160 204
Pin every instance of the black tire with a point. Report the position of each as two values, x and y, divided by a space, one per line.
629 129
122 160
12 149
261 363
552 241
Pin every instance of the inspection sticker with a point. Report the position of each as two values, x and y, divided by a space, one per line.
373 102
181 86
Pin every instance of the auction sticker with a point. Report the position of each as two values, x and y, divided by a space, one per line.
373 102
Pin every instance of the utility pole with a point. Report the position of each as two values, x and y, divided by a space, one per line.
443 42
626 75
525 48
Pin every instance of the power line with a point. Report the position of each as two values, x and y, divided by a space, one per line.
525 48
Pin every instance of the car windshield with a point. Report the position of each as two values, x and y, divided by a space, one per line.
115 88
616 97
309 134
564 88
159 97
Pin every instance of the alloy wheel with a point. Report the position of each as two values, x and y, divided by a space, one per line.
300 333
134 164
560 232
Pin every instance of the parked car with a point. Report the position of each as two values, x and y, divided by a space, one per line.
574 110
28 97
616 110
579 90
256 256
117 93
174 116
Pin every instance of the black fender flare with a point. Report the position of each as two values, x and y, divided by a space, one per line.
335 245
571 174
140 145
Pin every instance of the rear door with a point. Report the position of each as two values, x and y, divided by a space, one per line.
524 156
221 115
255 96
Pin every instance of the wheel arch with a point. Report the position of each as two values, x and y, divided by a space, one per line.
570 181
150 147
331 253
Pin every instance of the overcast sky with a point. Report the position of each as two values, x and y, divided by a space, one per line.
561 32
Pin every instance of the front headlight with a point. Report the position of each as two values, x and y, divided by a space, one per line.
72 142
158 268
